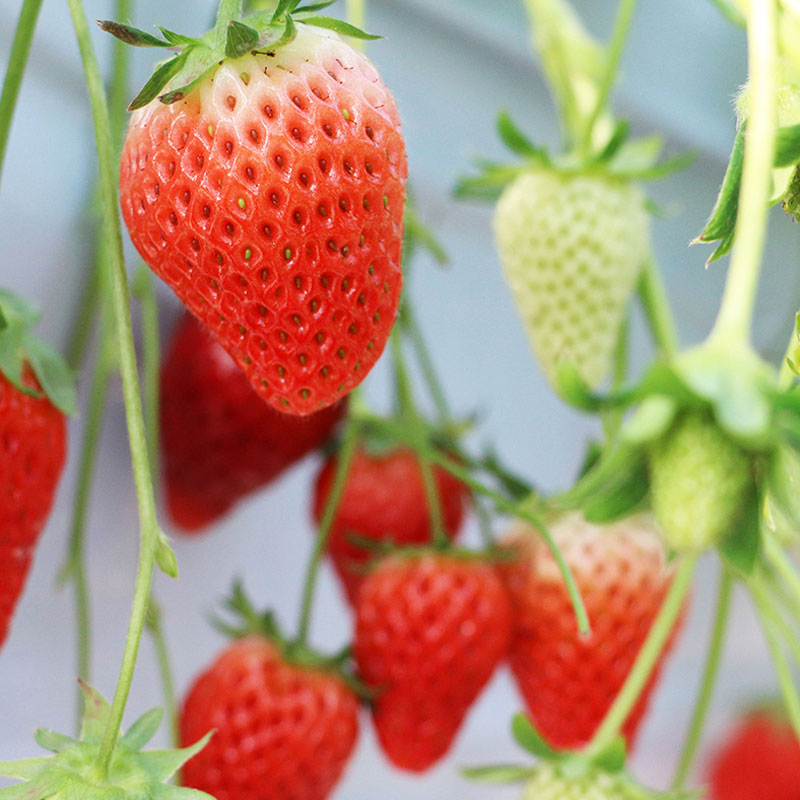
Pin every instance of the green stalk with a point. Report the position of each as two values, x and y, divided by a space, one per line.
419 442
345 459
736 312
17 60
409 322
130 382
710 672
646 660
783 566
653 297
789 692
519 510
75 567
356 15
154 620
619 36
144 290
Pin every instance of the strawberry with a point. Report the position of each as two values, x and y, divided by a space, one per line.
760 758
569 681
284 728
268 194
35 393
572 245
384 500
430 631
220 439
699 478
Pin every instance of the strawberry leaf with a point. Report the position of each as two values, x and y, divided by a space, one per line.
339 26
131 35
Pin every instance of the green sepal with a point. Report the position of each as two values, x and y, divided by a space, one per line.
721 223
18 347
131 35
24 769
280 10
163 764
601 478
787 146
415 233
144 729
737 385
339 26
96 713
498 773
513 138
166 791
625 493
196 67
740 549
52 740
528 738
178 39
289 32
618 137
782 483
314 7
574 390
226 11
612 759
490 183
731 12
161 76
650 420
55 377
516 487
241 39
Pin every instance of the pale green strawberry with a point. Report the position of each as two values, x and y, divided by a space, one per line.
548 783
699 480
572 245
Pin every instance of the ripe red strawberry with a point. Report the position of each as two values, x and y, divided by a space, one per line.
430 631
32 444
269 195
383 500
283 731
220 439
759 759
569 682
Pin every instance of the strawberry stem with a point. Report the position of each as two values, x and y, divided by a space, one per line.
770 624
75 567
653 297
418 441
613 55
154 620
355 12
136 431
710 672
646 660
17 59
735 315
783 567
344 460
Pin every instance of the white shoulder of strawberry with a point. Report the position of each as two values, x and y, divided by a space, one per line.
233 36
20 350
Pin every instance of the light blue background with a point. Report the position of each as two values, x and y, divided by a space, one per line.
452 66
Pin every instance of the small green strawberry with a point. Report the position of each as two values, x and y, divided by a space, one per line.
699 479
572 246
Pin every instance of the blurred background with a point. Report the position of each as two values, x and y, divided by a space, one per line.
452 66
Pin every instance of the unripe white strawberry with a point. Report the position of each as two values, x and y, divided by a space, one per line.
548 784
572 245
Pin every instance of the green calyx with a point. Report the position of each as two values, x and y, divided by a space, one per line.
234 35
248 621
714 415
19 347
619 157
569 775
72 771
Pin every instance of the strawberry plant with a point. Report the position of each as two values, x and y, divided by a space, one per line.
262 178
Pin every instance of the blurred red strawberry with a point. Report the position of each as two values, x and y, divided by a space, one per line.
220 439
